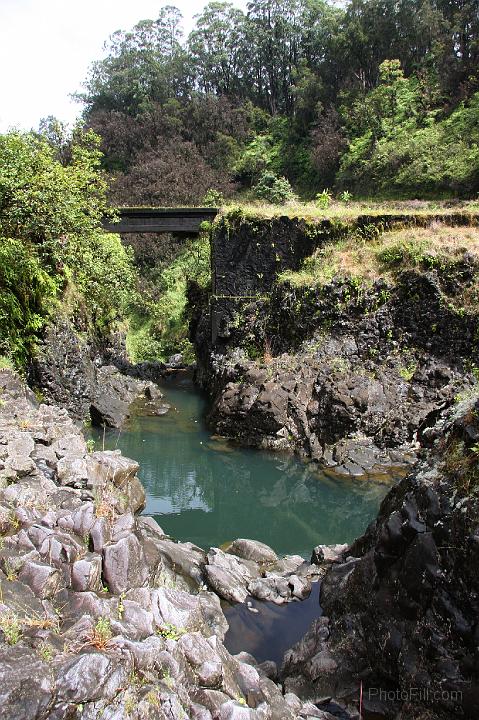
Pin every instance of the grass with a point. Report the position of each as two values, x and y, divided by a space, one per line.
6 363
101 634
11 627
352 209
462 465
385 254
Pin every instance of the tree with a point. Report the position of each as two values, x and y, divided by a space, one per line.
51 238
218 49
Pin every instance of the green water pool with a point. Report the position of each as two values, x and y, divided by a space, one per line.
209 492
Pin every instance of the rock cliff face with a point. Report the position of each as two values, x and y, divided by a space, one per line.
76 372
401 612
102 614
351 374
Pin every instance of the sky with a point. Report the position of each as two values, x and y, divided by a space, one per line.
46 47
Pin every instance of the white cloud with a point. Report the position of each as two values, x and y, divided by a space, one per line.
46 47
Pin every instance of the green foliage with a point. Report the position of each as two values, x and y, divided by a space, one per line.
400 147
11 627
345 196
170 631
213 198
26 292
258 156
159 327
6 363
102 633
407 373
273 189
299 88
51 239
323 199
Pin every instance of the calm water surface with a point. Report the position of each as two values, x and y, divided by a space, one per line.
209 492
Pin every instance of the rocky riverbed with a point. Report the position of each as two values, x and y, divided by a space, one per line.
102 614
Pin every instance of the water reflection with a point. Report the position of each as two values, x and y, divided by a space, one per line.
272 629
207 491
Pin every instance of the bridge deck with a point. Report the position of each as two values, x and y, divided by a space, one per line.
160 220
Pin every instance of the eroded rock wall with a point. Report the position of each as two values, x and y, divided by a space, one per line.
349 373
401 612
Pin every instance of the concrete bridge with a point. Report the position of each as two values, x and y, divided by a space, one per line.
184 221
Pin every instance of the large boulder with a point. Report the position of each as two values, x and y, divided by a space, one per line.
124 565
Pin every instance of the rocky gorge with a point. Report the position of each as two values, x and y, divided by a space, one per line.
350 371
102 614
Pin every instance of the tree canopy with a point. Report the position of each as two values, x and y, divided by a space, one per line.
302 88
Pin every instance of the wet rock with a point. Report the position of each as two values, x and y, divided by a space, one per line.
108 410
116 614
228 576
328 553
186 558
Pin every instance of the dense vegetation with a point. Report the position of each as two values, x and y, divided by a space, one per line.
52 247
376 96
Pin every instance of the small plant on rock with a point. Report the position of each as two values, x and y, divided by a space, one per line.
11 627
407 373
102 634
103 506
9 571
129 704
121 606
90 445
167 679
170 631
46 652
152 698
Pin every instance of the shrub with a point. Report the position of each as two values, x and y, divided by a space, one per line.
213 198
160 326
273 189
323 199
51 239
26 294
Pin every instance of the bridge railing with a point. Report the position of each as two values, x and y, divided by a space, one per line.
160 220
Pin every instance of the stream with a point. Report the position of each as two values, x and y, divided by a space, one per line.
208 491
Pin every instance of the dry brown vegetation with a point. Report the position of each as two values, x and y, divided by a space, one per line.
387 253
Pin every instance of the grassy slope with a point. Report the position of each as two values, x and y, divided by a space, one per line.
386 254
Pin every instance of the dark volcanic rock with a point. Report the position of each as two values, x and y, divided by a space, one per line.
401 613
70 371
351 374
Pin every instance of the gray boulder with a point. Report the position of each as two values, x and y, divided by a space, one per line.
124 565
